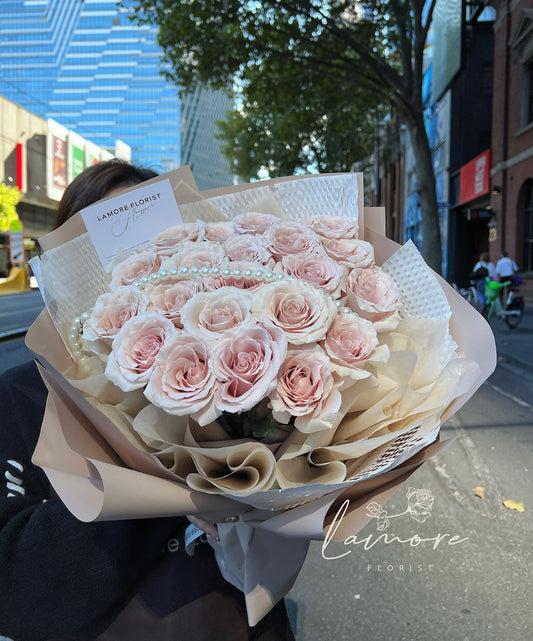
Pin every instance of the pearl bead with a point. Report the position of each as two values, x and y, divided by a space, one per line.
77 324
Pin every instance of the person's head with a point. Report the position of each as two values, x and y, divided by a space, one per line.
97 182
484 257
505 254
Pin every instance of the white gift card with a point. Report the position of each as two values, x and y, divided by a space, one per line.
130 220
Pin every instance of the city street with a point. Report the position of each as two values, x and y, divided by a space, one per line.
476 590
476 587
18 311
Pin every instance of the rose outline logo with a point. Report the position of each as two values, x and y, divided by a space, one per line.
419 506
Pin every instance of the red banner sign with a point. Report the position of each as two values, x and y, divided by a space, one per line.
475 178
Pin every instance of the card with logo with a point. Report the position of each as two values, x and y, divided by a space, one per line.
130 220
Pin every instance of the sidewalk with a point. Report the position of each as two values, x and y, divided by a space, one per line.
516 345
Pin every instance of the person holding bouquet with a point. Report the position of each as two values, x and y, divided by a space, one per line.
66 580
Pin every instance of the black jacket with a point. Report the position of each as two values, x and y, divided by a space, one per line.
65 580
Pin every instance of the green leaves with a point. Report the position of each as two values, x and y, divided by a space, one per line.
9 197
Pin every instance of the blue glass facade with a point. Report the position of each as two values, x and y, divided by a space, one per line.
200 149
84 64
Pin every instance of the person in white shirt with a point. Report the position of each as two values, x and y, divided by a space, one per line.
506 267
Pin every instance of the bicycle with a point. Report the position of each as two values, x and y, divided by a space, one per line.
513 309
470 294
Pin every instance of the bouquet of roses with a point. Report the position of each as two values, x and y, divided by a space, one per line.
256 362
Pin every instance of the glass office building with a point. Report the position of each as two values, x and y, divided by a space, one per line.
85 65
200 149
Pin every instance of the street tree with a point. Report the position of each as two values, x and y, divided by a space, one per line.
291 126
372 45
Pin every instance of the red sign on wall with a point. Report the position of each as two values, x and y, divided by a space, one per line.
475 178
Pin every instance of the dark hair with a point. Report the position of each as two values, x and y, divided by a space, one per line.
95 182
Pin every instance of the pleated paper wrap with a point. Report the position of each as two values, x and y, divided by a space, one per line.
109 455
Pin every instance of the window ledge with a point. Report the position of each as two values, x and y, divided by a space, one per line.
523 130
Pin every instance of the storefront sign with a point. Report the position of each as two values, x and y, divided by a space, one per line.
475 178
59 171
16 242
77 160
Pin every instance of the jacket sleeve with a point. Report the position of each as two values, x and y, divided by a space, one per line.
59 577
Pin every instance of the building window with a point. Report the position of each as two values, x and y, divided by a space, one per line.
527 252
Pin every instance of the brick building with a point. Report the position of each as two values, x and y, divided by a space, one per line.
512 134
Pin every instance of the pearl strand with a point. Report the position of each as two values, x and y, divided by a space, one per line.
267 276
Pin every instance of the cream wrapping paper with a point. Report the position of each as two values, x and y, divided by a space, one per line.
93 464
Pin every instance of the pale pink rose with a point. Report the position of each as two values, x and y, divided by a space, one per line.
306 389
166 243
302 311
135 347
243 280
218 232
168 298
333 226
208 314
291 238
372 293
203 254
111 311
183 382
249 248
350 341
246 363
253 222
350 252
134 268
315 268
